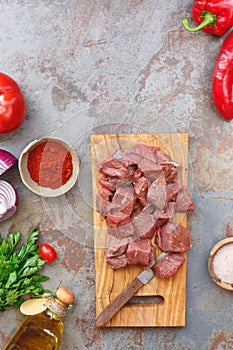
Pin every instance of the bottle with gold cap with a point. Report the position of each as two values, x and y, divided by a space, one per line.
43 326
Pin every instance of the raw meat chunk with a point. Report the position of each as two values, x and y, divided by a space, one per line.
117 262
117 154
170 172
147 152
124 199
150 169
162 158
173 238
169 265
144 225
109 183
122 231
157 193
116 247
103 201
145 158
139 251
131 158
113 168
139 153
184 202
163 216
117 218
140 190
152 258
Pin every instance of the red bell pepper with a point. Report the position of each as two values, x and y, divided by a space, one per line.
213 16
222 84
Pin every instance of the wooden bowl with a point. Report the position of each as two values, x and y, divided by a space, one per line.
46 191
212 273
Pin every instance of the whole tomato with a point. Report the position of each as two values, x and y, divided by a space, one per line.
12 105
47 252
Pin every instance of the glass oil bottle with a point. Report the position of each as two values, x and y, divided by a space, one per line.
43 330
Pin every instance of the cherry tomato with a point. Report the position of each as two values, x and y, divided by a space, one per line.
12 105
47 253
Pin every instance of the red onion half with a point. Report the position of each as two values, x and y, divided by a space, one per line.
8 200
7 160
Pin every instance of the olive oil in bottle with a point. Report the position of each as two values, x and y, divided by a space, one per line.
43 330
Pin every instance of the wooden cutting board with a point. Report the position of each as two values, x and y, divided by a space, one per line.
109 283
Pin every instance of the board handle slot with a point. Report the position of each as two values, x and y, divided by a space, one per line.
146 300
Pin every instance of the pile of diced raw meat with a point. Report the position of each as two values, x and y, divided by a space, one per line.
141 190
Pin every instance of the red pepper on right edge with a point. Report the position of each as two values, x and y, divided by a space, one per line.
213 16
222 84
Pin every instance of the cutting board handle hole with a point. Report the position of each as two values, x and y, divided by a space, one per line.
146 299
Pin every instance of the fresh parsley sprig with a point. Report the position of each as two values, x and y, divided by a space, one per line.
18 269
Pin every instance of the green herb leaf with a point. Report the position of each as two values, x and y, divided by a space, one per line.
19 269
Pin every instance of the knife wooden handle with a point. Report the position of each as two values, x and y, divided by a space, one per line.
114 306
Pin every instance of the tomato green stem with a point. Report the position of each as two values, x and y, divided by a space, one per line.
209 19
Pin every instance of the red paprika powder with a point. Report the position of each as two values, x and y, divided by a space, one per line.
50 164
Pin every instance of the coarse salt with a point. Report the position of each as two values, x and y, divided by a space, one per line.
223 263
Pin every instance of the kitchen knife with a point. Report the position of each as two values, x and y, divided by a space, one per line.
166 265
113 307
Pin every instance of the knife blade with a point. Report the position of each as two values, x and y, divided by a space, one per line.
159 269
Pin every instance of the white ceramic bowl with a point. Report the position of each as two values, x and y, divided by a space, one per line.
46 191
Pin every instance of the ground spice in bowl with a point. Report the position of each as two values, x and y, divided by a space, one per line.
50 164
220 263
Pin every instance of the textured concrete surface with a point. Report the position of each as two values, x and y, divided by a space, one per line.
119 66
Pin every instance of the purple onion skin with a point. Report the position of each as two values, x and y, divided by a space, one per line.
7 160
8 200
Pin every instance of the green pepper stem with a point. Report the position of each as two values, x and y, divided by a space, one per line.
209 19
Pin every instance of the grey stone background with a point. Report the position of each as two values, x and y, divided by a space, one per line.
119 66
